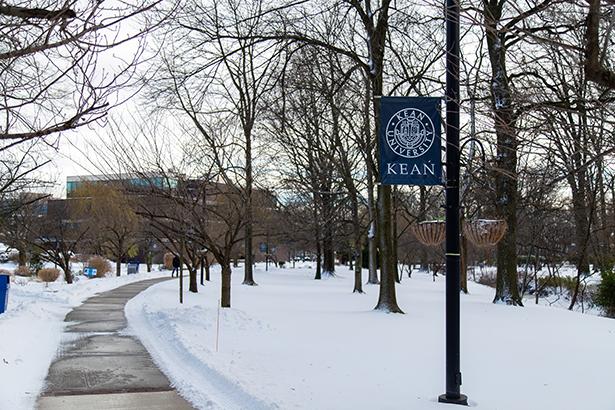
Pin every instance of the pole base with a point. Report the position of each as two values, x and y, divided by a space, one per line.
461 400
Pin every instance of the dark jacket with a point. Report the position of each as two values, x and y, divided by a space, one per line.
176 261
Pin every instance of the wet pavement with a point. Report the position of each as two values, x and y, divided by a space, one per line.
98 367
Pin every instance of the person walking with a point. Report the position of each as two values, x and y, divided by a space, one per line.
176 264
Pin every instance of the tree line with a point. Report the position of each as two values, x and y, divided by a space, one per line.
284 95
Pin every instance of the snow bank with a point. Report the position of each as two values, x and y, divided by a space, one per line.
296 343
31 331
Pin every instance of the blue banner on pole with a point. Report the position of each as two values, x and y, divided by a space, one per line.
410 141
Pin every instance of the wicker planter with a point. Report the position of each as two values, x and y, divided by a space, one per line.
430 233
485 232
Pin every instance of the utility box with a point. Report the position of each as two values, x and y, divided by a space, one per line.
133 268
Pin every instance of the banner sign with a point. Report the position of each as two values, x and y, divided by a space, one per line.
410 143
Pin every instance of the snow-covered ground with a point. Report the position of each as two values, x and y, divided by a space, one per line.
31 330
296 343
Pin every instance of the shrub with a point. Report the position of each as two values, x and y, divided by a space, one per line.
168 261
23 271
605 297
36 264
567 283
101 265
487 280
48 275
80 258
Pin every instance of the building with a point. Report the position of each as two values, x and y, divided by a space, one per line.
73 183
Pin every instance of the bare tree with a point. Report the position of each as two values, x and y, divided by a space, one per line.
57 237
110 219
52 76
245 71
597 49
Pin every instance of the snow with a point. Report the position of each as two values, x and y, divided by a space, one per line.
296 343
31 330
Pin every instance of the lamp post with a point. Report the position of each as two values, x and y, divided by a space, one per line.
453 373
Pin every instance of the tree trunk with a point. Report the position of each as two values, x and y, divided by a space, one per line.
582 236
193 286
507 288
358 241
372 241
225 297
68 275
118 267
206 261
373 255
65 266
387 300
328 268
318 262
358 279
22 257
248 277
394 234
422 216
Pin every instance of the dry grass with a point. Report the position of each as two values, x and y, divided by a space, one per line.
101 265
23 271
168 261
48 274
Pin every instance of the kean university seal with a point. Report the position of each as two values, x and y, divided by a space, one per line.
410 143
410 133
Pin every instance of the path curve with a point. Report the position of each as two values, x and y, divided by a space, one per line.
100 367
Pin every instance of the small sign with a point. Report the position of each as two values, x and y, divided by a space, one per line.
410 141
132 268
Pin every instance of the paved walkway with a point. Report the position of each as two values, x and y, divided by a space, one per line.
102 369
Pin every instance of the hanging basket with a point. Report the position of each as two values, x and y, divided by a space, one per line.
485 232
430 233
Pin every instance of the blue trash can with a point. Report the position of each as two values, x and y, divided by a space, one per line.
133 268
90 272
5 284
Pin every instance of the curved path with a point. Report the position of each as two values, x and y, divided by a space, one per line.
99 367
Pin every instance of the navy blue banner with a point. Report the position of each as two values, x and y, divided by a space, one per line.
410 142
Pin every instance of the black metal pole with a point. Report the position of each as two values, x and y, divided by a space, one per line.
181 275
202 267
453 373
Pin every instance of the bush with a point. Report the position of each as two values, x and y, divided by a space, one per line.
487 280
567 283
23 271
14 257
605 297
36 264
168 261
101 265
48 274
